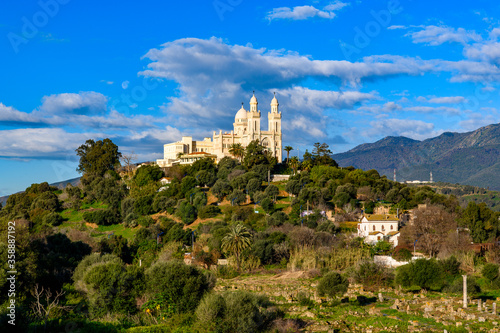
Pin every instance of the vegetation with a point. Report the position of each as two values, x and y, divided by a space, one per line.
122 252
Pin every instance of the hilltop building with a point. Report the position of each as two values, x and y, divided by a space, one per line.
379 227
246 128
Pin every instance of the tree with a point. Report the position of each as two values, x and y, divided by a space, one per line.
97 157
127 160
322 155
287 149
147 174
237 197
221 188
237 150
430 227
424 273
294 164
237 240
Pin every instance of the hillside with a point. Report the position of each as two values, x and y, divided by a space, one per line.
470 158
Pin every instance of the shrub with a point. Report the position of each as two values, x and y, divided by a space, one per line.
208 212
52 219
490 271
180 285
401 254
451 266
268 205
426 274
332 284
186 212
237 311
372 275
143 205
145 221
102 217
457 286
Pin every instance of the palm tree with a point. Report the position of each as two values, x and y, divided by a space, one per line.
237 150
294 163
287 149
237 240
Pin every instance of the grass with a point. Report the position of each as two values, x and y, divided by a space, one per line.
118 230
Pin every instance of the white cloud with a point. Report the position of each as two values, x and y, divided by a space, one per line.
477 120
305 12
317 100
432 109
447 100
88 102
9 114
437 35
39 142
415 129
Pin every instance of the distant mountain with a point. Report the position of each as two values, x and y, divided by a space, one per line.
61 185
471 158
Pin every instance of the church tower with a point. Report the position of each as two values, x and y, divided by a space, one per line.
274 129
253 117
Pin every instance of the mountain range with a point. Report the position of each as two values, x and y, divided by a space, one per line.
470 158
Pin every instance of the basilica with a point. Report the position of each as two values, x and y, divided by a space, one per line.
246 129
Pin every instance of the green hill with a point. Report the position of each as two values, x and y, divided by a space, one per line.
470 158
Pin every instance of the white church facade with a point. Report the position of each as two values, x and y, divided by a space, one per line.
246 128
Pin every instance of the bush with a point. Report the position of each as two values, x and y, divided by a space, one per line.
208 212
490 271
52 219
180 285
426 274
332 284
186 212
457 286
451 266
401 254
237 311
102 217
143 205
372 275
268 205
145 221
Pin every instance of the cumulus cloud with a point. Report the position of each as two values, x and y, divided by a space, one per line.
305 12
447 100
87 102
49 143
415 129
10 115
437 35
317 100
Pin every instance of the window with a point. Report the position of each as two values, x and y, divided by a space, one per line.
391 227
383 228
373 228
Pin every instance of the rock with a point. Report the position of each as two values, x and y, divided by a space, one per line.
309 314
481 319
458 324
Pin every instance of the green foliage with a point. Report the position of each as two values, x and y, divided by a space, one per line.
183 286
450 266
382 247
186 212
490 271
206 178
187 184
236 240
424 273
52 219
402 254
108 285
256 154
372 275
147 174
268 205
97 157
237 311
237 197
481 221
208 212
221 188
332 284
457 286
102 217
143 205
145 221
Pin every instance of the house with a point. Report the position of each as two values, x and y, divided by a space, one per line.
166 180
376 227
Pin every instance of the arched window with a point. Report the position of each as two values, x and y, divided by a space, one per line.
373 228
391 227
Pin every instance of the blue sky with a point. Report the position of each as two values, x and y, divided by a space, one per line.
146 73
